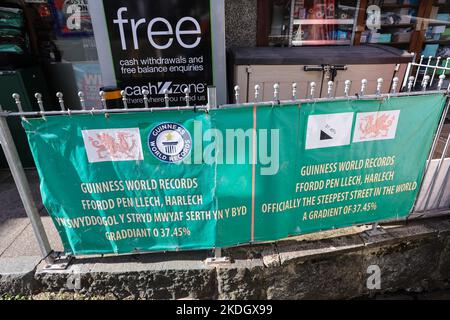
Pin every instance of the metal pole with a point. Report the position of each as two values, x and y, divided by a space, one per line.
23 187
212 98
433 148
435 175
438 132
442 188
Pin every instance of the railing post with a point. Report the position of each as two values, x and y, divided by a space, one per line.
375 230
379 85
418 69
347 85
312 88
124 99
218 258
257 88
330 89
363 87
187 98
394 85
166 98
236 94
294 91
212 97
23 187
82 101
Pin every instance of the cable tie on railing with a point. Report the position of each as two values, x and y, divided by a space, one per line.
92 111
69 112
25 119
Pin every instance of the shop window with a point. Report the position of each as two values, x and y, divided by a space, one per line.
437 31
312 22
420 27
56 40
390 22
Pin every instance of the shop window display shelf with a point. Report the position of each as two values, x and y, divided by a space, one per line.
323 21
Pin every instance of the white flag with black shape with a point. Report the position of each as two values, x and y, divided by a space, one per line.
329 130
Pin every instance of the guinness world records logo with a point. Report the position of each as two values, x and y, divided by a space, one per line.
170 142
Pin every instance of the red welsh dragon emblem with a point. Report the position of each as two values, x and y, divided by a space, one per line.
115 147
373 126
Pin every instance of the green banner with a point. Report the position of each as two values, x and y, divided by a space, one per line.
176 179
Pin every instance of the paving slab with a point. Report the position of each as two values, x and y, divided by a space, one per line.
17 238
11 204
18 265
10 231
17 275
25 243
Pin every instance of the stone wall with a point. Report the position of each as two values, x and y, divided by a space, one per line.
240 23
414 257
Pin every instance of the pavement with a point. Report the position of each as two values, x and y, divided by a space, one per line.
17 240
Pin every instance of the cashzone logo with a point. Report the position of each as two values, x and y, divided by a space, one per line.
185 26
160 87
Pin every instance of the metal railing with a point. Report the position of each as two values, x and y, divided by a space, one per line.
431 192
426 70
